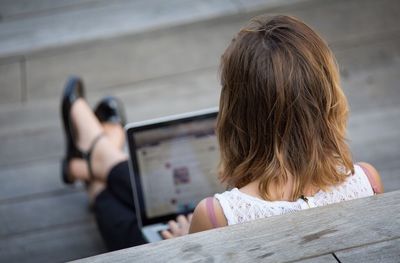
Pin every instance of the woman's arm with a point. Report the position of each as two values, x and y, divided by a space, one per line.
199 221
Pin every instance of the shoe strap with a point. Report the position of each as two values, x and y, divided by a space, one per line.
87 155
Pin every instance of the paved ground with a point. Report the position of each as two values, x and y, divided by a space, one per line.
157 69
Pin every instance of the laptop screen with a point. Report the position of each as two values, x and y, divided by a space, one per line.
176 165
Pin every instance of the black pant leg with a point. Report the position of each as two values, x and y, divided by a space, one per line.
117 222
119 183
115 211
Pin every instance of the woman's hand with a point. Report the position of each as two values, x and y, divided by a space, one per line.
178 228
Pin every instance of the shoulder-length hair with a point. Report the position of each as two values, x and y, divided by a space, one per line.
282 111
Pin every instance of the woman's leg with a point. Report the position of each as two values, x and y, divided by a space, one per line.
110 189
119 183
116 223
114 209
105 154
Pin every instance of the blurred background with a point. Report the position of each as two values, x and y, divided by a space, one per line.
160 57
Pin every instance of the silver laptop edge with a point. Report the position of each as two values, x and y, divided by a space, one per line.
170 118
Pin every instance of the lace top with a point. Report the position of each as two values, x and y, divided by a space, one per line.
239 207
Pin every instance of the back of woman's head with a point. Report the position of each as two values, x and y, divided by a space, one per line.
282 112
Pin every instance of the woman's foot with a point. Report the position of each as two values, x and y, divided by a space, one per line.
111 114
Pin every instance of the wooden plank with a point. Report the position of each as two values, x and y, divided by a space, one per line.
11 9
29 116
379 82
179 49
10 83
373 138
390 177
388 251
32 215
31 180
386 117
255 5
118 18
355 55
320 259
30 145
53 245
334 19
127 17
340 20
379 86
296 236
372 89
136 58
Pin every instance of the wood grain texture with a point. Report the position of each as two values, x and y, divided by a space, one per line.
320 259
30 179
344 20
37 214
123 16
31 145
10 83
388 252
137 57
132 59
301 235
53 245
21 9
112 18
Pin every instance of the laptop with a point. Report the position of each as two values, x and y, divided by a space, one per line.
173 165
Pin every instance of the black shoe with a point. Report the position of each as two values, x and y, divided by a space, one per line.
110 109
73 90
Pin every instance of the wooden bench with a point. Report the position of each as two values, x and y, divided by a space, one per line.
363 230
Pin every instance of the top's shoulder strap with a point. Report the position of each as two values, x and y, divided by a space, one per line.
211 211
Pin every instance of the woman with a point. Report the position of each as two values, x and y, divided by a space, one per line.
281 131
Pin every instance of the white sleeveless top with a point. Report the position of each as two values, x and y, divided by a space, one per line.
239 207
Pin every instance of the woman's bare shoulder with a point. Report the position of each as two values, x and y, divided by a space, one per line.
201 220
373 176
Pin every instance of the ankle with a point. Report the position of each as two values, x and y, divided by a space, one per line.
78 170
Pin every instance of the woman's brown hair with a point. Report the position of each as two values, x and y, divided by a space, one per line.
282 110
